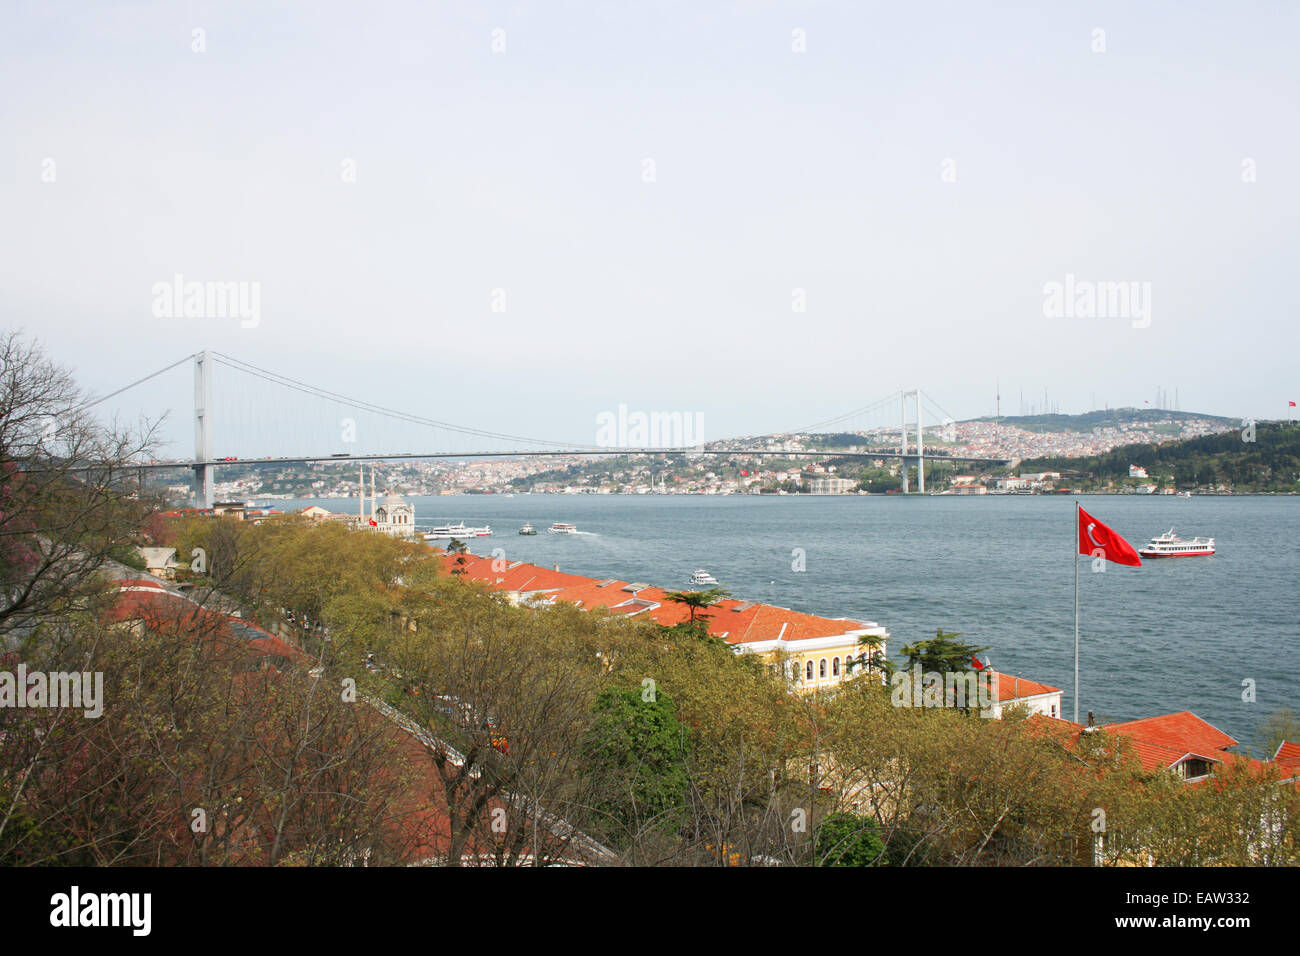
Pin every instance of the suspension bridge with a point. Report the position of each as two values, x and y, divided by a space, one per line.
302 416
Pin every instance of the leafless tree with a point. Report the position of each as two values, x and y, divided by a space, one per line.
68 491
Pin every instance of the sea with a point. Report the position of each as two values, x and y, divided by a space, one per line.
1218 636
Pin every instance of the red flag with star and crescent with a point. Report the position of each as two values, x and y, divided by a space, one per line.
1097 540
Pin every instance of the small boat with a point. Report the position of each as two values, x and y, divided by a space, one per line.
561 528
702 578
528 529
1184 494
461 530
1169 545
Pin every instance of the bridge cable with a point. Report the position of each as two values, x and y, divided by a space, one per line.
839 418
140 381
276 378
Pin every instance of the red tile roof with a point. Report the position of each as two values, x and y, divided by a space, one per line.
735 621
1288 754
1016 688
1183 731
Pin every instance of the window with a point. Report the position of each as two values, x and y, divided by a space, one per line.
809 670
835 667
821 668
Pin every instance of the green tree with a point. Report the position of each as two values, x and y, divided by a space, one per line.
843 839
698 601
942 653
640 749
872 657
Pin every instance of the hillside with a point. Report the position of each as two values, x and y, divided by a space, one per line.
1228 461
1102 418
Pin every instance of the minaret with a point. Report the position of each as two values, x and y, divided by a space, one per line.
361 496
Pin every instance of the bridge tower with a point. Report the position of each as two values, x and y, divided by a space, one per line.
902 449
920 449
204 491
919 457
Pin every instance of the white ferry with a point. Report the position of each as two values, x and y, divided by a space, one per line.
528 529
461 530
561 528
1169 545
702 578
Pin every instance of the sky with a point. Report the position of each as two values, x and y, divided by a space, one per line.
519 216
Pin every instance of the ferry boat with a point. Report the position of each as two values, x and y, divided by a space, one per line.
1169 545
461 530
528 529
702 578
561 528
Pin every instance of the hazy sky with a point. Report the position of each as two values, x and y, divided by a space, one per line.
919 171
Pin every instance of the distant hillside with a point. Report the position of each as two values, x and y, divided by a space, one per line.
1270 463
1110 417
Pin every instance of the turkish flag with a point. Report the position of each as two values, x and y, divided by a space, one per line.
1290 404
1095 537
374 523
976 663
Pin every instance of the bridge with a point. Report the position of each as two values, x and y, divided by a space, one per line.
204 464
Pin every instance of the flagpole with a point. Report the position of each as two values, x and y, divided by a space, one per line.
1075 553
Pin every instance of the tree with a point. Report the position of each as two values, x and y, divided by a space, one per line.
697 601
942 653
505 696
872 657
207 752
1279 726
843 839
66 486
640 747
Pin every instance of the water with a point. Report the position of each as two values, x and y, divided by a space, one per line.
1173 635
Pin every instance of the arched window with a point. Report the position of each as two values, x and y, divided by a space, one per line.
835 667
821 669
809 670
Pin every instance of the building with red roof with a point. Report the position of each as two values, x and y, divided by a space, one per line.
817 649
1010 691
1288 756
